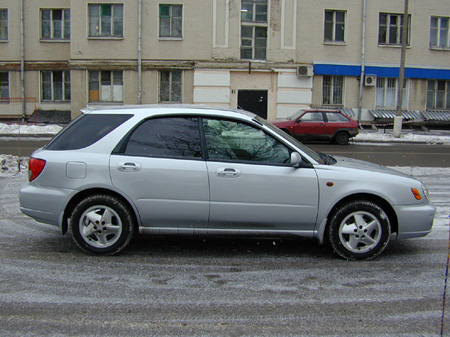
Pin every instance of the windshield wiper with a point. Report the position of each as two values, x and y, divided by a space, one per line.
329 160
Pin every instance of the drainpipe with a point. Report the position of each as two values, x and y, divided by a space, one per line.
22 60
139 98
363 60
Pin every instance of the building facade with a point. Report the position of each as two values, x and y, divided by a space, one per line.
271 57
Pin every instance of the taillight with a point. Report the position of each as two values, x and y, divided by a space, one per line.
35 167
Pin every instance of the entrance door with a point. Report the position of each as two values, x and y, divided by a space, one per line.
254 101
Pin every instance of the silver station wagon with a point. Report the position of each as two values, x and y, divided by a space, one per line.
117 171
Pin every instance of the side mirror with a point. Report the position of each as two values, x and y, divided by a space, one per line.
296 159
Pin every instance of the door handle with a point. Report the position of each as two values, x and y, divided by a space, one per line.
228 172
128 167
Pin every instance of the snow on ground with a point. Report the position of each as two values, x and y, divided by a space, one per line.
408 136
22 129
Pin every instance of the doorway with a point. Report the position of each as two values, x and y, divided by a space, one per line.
254 101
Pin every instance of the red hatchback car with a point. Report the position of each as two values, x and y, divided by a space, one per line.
331 125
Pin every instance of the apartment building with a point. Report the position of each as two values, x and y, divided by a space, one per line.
268 56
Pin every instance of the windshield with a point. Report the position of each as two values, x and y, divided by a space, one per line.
296 115
292 140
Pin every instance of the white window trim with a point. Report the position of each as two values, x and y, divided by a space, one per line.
171 38
7 26
52 82
408 31
159 86
105 37
4 99
255 24
405 101
99 102
438 37
435 90
334 42
52 39
343 91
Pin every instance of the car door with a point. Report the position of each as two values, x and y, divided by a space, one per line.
252 184
159 166
310 125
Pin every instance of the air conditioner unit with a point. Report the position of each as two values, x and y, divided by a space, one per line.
370 80
306 70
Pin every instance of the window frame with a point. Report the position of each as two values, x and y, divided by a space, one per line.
4 84
113 18
253 43
170 86
438 31
171 17
435 91
65 86
65 24
334 24
332 90
385 87
5 24
101 90
399 30
254 4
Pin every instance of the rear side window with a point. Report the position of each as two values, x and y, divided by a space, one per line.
336 118
167 137
86 130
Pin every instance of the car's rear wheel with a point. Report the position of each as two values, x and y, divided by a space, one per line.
359 230
102 224
342 138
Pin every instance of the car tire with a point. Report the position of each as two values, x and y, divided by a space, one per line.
102 224
359 230
342 138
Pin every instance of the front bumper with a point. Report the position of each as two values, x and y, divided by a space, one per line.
415 221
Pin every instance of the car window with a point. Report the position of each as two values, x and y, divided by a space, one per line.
334 117
312 117
232 140
86 130
174 137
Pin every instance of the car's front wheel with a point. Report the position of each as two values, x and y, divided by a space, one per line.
102 224
358 230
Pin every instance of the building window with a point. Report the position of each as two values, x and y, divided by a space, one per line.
105 86
55 24
55 85
4 85
334 27
170 86
390 29
3 24
254 11
386 93
439 32
333 87
170 20
438 94
106 20
253 29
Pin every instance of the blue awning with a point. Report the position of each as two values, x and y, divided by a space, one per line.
381 71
